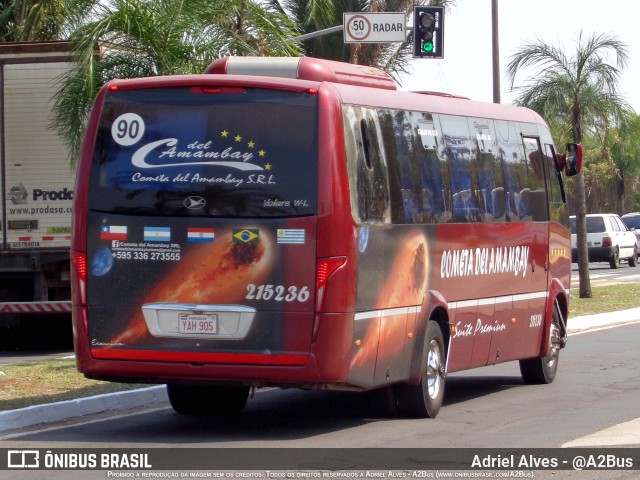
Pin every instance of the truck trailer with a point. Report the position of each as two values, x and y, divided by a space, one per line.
37 183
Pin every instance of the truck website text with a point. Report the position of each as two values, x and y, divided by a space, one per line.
39 210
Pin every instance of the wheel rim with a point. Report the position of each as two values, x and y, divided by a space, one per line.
554 345
434 369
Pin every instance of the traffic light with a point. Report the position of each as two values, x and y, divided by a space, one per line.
428 32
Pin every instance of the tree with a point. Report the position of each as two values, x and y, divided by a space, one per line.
581 90
40 20
137 38
624 145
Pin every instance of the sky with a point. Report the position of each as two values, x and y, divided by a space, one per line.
466 68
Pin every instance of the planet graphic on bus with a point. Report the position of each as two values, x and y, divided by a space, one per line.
406 285
210 273
102 262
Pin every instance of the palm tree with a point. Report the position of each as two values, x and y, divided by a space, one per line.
40 20
581 90
136 38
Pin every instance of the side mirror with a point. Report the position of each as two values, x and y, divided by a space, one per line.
571 161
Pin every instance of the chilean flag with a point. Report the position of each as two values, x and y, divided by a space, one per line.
113 232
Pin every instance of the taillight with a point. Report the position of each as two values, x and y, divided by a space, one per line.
607 242
79 261
216 90
326 268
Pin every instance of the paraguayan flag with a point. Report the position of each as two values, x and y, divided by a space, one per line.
200 234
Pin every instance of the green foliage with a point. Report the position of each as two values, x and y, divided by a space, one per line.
40 20
578 97
139 38
624 144
580 91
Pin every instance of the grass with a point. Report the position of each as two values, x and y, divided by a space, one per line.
605 299
47 381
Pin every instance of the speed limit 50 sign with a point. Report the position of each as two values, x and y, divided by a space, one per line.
374 27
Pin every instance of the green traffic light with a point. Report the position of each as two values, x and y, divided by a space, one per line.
428 47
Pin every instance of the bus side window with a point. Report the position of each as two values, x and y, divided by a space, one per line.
432 168
398 152
464 205
512 162
414 167
491 203
557 192
533 196
372 182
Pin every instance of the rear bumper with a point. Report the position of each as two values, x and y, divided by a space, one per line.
327 364
596 254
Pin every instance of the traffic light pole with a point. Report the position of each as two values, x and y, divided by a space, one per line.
495 51
319 33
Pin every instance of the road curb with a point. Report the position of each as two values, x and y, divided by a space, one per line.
602 320
53 412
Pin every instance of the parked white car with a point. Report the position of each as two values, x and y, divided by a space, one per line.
608 240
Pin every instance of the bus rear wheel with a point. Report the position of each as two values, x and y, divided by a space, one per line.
425 399
543 370
210 400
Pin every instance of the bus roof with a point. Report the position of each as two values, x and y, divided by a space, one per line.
304 68
344 75
301 73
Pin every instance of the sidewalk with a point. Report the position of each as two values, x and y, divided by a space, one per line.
54 412
602 320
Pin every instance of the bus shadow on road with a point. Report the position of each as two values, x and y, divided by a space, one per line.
464 388
273 416
282 415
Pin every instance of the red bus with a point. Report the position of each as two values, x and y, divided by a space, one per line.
296 222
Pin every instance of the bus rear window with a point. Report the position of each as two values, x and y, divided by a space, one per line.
206 152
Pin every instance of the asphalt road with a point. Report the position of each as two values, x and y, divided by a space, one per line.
601 274
592 403
597 387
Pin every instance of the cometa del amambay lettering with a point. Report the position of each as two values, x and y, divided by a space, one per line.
484 261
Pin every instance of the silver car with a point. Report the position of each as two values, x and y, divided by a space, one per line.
632 221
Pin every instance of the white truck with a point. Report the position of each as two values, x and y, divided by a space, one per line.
37 184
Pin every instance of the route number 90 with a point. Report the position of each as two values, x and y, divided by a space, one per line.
127 129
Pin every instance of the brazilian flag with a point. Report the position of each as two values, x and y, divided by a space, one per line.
246 235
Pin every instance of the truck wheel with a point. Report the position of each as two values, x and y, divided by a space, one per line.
425 399
211 400
543 370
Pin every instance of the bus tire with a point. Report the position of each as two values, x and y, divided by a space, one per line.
210 400
425 399
542 370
